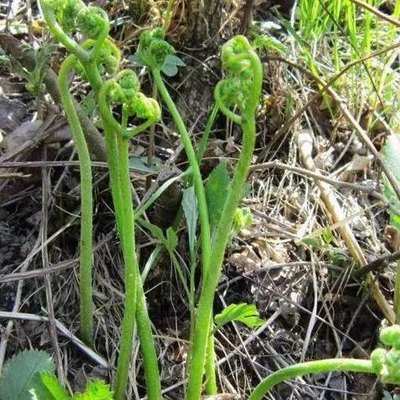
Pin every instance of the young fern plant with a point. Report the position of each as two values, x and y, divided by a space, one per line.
153 52
240 91
385 364
93 58
93 23
124 90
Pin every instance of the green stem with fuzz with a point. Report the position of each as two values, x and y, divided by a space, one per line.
195 170
202 328
311 367
135 302
205 235
85 268
385 364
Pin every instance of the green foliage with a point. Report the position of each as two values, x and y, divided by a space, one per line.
386 363
169 67
189 206
390 155
388 396
47 387
169 239
29 375
244 313
268 42
155 53
95 390
20 374
216 191
242 219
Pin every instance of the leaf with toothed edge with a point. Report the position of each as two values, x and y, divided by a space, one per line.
21 372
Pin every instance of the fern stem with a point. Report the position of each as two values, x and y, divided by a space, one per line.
85 269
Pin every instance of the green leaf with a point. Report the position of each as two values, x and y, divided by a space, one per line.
174 60
155 230
314 242
327 235
95 390
171 64
242 219
171 240
269 43
190 211
21 372
169 69
216 191
139 164
243 312
47 387
137 60
390 155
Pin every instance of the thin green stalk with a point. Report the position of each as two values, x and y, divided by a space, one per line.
197 178
85 269
396 301
203 212
202 325
147 345
204 138
236 54
135 309
320 366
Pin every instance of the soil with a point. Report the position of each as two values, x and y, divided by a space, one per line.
291 262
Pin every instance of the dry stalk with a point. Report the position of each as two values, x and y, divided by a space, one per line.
338 217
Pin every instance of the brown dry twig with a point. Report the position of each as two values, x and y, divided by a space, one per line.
305 145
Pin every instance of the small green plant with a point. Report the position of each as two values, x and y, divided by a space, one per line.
95 57
29 375
215 204
390 154
240 91
385 364
20 374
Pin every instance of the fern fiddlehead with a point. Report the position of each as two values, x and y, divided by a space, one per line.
95 56
241 89
124 90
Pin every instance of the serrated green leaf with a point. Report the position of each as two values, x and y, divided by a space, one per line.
390 155
171 240
47 387
95 390
20 374
216 191
243 312
190 211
